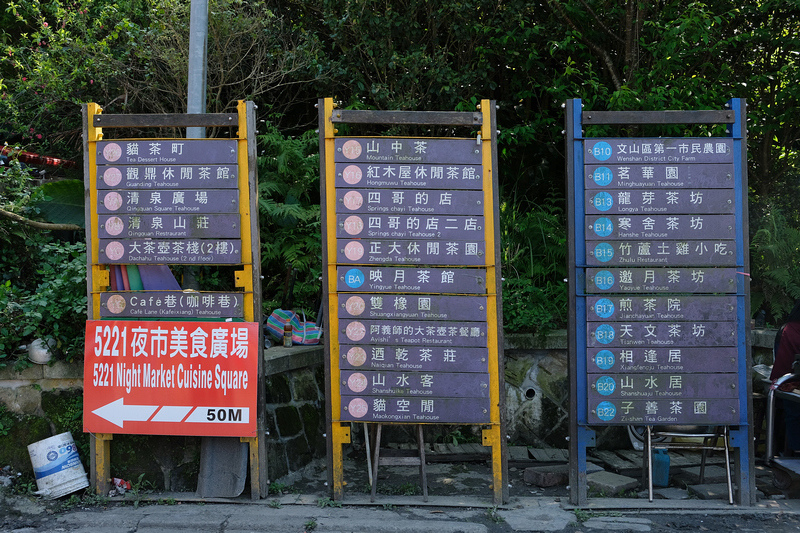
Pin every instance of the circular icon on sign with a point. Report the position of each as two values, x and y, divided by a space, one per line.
355 331
357 382
351 149
603 201
355 305
604 308
353 225
115 250
604 359
354 278
112 201
604 280
52 455
605 385
604 334
353 200
603 227
356 356
603 252
602 176
116 304
354 250
112 176
114 225
601 151
351 174
112 152
357 407
606 411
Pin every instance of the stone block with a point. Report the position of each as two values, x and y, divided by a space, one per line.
546 476
288 421
305 387
277 389
713 474
33 373
62 370
609 483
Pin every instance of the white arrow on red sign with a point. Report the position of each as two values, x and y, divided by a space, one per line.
118 413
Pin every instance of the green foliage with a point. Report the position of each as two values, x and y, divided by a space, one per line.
327 502
42 296
534 255
288 182
63 202
774 250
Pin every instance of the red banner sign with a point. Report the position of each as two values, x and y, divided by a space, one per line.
171 378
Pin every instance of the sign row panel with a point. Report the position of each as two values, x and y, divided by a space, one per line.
167 152
411 280
680 307
416 176
163 304
698 253
702 411
661 201
663 385
686 150
630 360
617 227
630 334
661 280
168 177
412 307
404 410
650 176
408 150
419 358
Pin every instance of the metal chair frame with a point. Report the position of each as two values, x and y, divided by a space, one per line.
709 444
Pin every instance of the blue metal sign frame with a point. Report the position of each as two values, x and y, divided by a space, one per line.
582 435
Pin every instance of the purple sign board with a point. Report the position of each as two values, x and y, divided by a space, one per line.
405 410
683 150
171 304
681 307
177 252
169 226
168 177
415 358
637 360
411 176
199 201
408 150
411 280
661 253
645 334
413 307
659 176
660 227
661 280
700 411
413 333
167 152
411 384
660 201
410 226
409 202
423 252
669 385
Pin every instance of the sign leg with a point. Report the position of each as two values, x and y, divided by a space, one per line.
100 463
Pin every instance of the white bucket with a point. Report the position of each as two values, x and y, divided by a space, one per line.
57 467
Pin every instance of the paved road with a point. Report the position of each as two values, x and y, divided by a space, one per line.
397 514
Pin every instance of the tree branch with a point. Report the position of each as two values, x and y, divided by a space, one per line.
39 225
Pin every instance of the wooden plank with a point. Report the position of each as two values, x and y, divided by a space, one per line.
659 117
442 118
174 120
518 453
549 454
399 461
631 455
474 447
614 461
